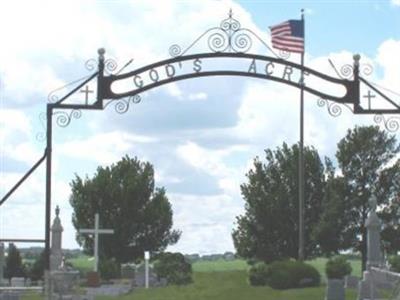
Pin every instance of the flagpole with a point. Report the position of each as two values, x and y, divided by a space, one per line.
301 155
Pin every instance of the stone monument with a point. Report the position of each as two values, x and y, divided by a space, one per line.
56 255
366 287
62 279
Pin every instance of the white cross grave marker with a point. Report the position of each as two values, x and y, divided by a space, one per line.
96 231
146 260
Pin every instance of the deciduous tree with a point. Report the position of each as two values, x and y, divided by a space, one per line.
268 230
127 201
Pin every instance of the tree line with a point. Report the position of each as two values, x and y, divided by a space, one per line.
336 199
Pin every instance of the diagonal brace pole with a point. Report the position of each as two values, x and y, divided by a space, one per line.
38 163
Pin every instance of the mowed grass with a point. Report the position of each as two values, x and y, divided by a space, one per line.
221 280
319 264
220 266
227 285
86 263
83 263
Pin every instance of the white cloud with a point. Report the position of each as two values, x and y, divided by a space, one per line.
395 2
208 227
104 148
198 96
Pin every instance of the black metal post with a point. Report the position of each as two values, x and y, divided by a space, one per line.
301 158
48 185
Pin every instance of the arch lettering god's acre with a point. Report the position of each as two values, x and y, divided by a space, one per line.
229 50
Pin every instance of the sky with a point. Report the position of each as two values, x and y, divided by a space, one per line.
202 134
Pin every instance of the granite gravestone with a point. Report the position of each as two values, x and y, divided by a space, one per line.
153 280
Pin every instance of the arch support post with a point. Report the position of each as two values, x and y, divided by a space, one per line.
49 114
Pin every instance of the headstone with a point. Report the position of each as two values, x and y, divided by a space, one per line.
56 237
366 288
335 289
140 277
109 290
92 279
10 295
127 271
17 281
351 282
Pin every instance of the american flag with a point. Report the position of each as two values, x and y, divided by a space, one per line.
288 36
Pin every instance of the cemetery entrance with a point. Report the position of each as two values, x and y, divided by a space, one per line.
228 42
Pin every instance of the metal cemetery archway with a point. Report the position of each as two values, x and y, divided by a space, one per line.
228 42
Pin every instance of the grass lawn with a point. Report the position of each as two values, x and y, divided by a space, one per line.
219 280
220 265
222 280
319 264
230 285
83 263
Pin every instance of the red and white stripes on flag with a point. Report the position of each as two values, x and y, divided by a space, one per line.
288 36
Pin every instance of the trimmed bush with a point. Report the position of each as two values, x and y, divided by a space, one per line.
109 269
337 267
292 274
174 268
394 262
258 274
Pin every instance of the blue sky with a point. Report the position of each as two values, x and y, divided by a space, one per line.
202 134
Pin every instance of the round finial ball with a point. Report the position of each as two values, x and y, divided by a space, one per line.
101 51
356 58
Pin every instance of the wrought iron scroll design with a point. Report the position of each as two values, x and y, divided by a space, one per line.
347 70
391 123
333 108
228 37
63 119
53 97
122 105
110 65
41 135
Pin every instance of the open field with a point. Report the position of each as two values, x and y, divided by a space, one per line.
86 263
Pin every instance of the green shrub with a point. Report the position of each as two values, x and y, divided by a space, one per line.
109 269
174 268
337 267
292 274
258 274
394 262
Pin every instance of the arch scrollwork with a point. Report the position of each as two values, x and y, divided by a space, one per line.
334 109
228 37
391 123
63 119
122 105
